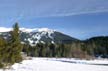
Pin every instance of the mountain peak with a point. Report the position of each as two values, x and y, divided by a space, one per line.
45 30
36 35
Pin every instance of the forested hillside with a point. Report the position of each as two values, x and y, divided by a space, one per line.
90 48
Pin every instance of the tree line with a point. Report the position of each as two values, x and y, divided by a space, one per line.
90 48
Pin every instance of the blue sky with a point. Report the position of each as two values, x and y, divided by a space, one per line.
78 18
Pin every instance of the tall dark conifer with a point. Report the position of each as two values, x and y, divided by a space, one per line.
16 47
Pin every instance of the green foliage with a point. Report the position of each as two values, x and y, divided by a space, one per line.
15 44
10 51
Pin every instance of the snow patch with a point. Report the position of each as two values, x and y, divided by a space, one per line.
28 30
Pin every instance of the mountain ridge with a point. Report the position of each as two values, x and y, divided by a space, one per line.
43 35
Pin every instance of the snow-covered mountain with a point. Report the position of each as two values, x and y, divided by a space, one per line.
36 35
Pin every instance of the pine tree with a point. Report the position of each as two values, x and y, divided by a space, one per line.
16 47
10 51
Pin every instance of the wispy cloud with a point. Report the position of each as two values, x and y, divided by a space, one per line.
53 8
73 13
49 8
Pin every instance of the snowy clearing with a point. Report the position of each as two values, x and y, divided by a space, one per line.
59 64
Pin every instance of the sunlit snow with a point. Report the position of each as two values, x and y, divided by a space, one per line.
52 64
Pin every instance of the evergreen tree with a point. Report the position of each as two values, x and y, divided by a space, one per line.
10 51
15 44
